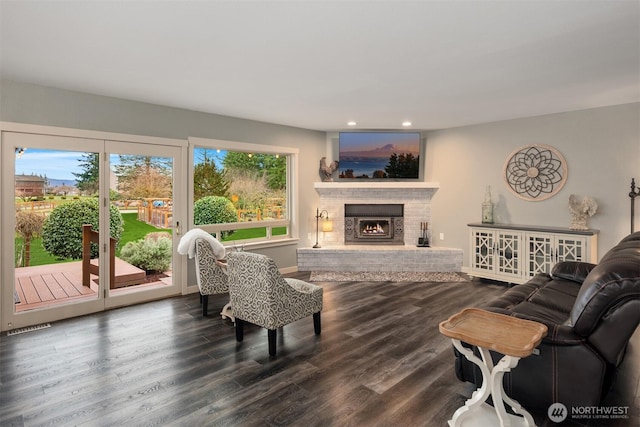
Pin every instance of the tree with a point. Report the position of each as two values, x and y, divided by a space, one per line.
87 181
347 174
62 189
273 166
28 225
137 173
208 181
404 165
147 183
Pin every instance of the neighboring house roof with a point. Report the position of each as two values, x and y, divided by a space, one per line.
32 178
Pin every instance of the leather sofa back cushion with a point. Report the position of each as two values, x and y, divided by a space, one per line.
542 299
615 280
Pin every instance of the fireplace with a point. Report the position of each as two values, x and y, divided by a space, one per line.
376 224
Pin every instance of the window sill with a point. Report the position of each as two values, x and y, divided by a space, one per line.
272 243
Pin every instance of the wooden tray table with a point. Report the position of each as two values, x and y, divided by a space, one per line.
514 338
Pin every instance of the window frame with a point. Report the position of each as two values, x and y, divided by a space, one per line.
292 235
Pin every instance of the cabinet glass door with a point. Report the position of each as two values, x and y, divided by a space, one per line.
508 256
483 256
540 254
570 249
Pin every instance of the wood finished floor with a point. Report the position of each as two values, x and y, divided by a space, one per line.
380 361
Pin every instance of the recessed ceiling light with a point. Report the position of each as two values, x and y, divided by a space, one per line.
351 123
406 123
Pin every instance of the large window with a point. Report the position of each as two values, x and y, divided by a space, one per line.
242 193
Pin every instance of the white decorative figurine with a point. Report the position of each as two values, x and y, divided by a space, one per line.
581 211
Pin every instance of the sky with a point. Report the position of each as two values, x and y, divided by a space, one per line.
59 164
361 141
53 164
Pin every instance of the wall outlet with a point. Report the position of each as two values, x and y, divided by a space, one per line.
441 236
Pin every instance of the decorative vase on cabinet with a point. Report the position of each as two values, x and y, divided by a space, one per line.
487 207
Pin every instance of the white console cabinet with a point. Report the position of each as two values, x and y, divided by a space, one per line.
515 253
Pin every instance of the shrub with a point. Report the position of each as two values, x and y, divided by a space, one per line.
62 230
214 210
158 235
149 254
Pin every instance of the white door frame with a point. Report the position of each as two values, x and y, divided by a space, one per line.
92 139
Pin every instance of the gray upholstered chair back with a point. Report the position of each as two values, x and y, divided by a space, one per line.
210 276
260 295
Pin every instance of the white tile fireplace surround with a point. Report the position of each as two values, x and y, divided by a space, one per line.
334 255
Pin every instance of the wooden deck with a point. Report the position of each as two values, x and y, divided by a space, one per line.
46 285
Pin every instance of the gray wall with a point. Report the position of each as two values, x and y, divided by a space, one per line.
601 146
33 104
602 150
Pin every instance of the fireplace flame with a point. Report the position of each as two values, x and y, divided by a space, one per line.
373 229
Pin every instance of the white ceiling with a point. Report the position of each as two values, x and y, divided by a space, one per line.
319 64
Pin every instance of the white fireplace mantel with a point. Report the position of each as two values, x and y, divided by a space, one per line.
376 185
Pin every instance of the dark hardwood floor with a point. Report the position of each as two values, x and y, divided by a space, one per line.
380 361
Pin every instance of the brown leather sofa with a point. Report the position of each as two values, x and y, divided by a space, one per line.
591 312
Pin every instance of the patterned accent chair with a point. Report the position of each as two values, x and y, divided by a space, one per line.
260 295
211 277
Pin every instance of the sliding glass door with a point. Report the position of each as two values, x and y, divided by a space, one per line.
88 224
142 186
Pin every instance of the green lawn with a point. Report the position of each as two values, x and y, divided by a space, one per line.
253 233
134 230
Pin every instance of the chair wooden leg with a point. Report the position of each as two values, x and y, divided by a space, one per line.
239 329
273 333
205 305
317 327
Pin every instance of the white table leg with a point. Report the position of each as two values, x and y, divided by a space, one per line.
497 390
227 312
481 394
475 408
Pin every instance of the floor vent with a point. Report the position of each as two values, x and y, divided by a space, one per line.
28 329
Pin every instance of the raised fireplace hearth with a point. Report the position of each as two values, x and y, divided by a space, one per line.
374 224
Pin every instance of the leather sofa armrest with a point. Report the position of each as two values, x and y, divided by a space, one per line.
562 335
572 270
557 334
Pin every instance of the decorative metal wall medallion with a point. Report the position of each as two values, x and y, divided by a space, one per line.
535 172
